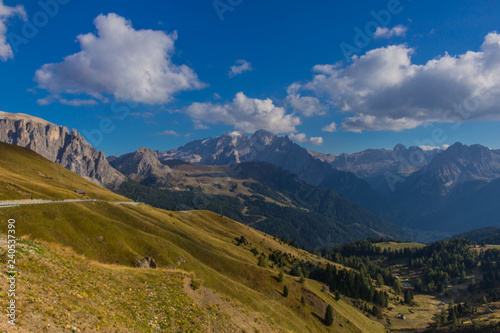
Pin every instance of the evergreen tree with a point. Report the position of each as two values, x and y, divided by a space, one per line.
281 277
337 296
329 316
397 287
408 296
285 291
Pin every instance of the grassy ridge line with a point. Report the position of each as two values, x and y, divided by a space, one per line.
204 239
24 173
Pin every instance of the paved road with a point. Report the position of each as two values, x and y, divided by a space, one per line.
15 203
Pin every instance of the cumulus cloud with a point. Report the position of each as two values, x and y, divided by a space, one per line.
169 132
385 90
7 12
241 67
307 105
119 61
430 148
330 128
383 32
244 114
302 138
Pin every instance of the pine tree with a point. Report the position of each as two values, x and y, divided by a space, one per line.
285 291
281 277
337 296
397 287
408 296
329 316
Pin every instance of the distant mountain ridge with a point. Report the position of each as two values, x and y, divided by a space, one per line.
58 144
377 165
264 146
258 194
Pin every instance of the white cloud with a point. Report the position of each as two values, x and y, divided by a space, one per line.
245 114
361 122
307 105
330 128
132 65
241 67
399 30
144 115
385 90
7 12
169 132
316 140
302 138
429 148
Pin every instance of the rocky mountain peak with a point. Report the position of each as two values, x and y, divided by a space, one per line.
58 144
263 137
399 148
141 164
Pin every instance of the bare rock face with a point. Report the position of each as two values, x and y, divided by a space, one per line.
58 144
262 146
140 165
146 262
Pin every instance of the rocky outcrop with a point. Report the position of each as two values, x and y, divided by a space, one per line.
146 262
140 165
56 143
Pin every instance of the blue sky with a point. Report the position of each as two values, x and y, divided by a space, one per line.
158 73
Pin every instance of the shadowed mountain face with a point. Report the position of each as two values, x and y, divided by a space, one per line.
379 167
447 192
457 191
264 146
58 144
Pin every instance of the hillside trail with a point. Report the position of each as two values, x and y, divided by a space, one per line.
15 203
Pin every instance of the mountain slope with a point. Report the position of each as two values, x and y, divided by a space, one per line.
58 286
141 165
454 192
264 146
264 196
25 174
56 143
375 165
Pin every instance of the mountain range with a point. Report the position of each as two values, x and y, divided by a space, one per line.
264 146
258 194
431 192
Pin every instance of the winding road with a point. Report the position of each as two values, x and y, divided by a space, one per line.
15 203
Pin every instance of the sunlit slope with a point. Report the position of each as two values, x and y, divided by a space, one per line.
119 234
85 266
25 174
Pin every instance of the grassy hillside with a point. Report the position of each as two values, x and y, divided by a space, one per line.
267 198
25 174
76 266
120 235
